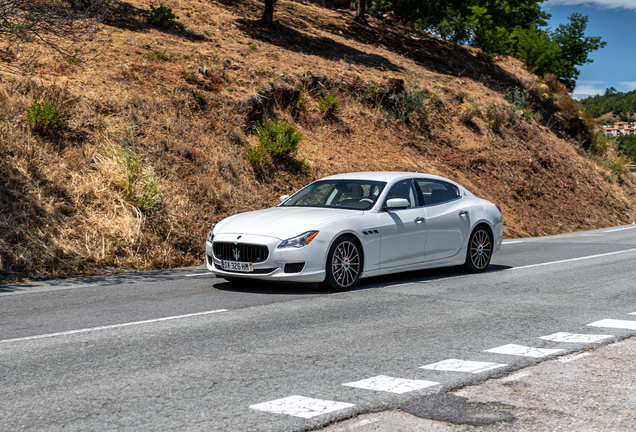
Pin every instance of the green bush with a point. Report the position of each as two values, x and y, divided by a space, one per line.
329 105
157 55
162 17
278 142
146 200
43 116
408 106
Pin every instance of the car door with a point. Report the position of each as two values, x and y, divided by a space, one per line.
447 218
403 233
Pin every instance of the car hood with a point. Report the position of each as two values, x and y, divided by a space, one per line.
282 222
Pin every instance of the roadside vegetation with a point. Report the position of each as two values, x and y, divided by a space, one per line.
125 163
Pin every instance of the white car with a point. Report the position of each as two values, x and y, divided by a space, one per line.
350 226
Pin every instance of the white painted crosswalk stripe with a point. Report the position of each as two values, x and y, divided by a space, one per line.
575 338
614 323
524 351
391 384
456 365
301 406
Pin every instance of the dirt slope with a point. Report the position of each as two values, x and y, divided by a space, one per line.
67 206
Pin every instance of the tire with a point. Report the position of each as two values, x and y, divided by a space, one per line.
479 250
344 265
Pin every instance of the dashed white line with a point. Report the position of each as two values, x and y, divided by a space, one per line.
574 259
201 274
524 351
575 338
113 326
613 323
391 384
301 406
456 365
511 242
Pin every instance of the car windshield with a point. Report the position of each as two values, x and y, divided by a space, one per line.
347 194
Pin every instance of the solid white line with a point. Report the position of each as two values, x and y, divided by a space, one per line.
575 259
620 229
113 326
511 242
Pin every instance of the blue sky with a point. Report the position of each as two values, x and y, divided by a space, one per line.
613 20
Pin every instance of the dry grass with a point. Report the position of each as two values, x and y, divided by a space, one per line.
64 205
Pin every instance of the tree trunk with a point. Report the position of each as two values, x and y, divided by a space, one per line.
268 13
354 5
362 10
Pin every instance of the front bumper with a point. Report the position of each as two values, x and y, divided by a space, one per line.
279 260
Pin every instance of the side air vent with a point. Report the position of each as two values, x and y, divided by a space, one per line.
294 267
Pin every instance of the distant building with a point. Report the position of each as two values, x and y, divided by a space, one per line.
620 128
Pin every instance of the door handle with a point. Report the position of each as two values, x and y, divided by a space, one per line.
419 220
463 212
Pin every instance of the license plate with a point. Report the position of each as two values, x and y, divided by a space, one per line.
237 266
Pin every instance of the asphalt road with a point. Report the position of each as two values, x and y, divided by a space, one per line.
182 350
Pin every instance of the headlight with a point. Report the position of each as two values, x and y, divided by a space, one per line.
211 235
302 240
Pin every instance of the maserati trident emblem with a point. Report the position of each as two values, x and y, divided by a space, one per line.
237 253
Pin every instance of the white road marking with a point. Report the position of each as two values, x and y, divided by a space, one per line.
455 365
301 406
613 323
574 259
391 385
113 326
512 242
575 338
620 229
591 235
201 274
632 313
515 376
520 350
569 358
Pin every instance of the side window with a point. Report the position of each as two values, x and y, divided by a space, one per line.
437 192
404 189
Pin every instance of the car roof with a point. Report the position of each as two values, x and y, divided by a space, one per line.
385 176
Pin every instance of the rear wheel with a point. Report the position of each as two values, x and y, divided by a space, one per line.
479 250
344 265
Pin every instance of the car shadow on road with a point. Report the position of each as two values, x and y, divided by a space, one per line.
271 288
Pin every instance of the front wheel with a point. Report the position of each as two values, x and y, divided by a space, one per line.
344 265
479 250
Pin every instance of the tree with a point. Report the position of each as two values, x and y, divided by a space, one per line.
575 47
67 27
268 13
535 48
361 10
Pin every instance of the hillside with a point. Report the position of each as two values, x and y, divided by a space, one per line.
79 198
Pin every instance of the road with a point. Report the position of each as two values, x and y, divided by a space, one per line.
182 350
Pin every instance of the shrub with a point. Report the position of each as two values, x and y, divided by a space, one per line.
408 106
43 116
467 112
519 97
278 142
162 17
329 105
157 55
139 184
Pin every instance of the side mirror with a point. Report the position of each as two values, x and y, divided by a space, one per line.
397 204
284 198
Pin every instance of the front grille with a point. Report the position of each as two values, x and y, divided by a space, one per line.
255 271
246 252
294 267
